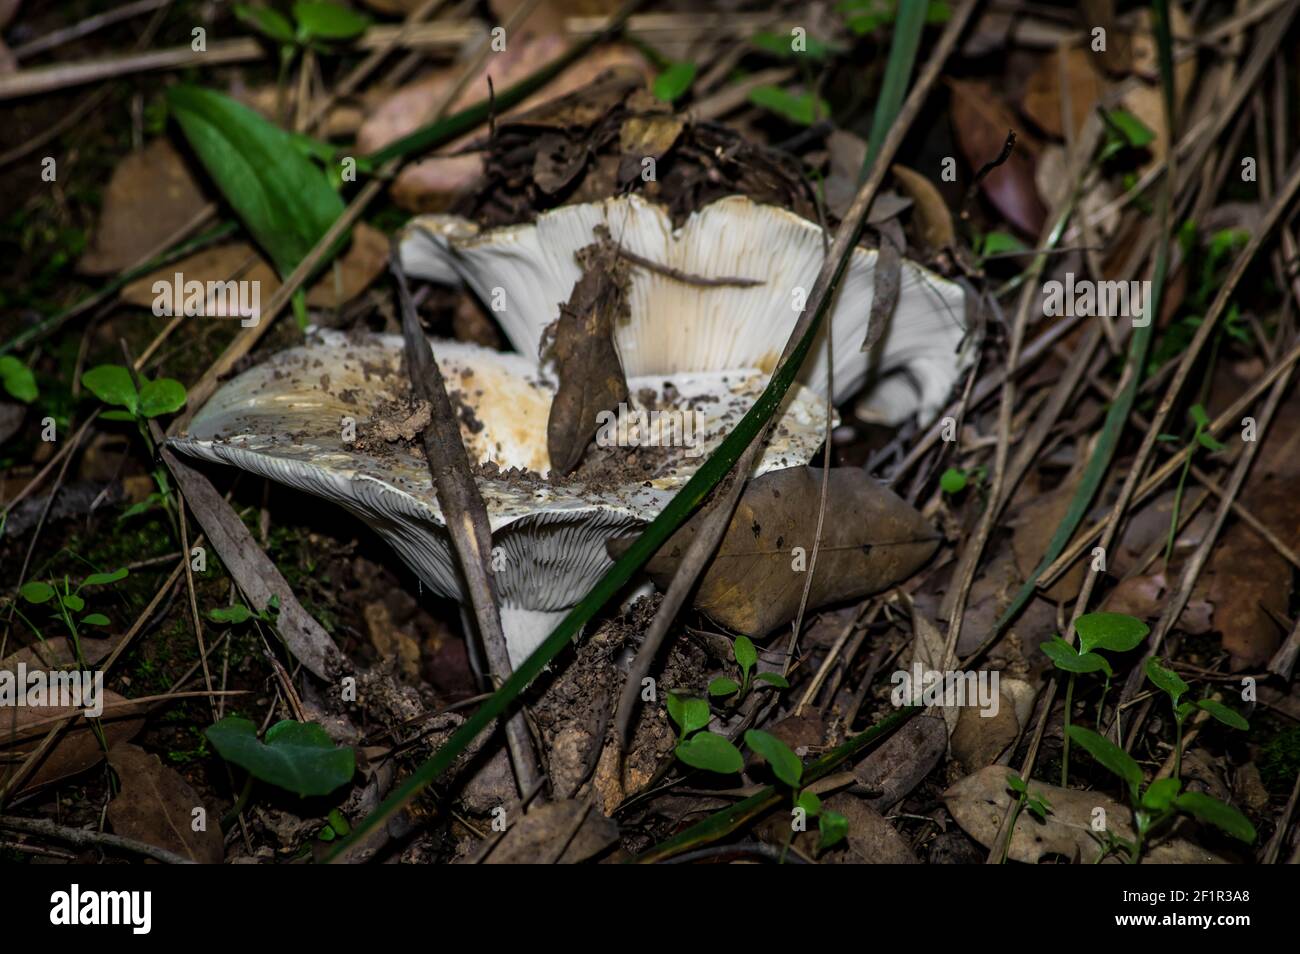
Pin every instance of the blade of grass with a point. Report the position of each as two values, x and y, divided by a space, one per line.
898 70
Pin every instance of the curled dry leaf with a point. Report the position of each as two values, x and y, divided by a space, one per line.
978 740
899 763
979 802
931 215
150 196
157 806
872 539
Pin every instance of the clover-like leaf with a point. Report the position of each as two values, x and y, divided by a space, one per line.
296 756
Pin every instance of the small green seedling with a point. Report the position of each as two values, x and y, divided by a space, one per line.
1172 685
67 603
239 613
788 769
746 657
954 480
1113 632
336 826
701 749
672 84
1037 804
1124 131
1201 437
113 384
1161 801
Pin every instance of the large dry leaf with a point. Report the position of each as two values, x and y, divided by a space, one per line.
978 740
872 539
150 196
979 802
982 121
565 831
1043 101
1249 584
349 276
157 806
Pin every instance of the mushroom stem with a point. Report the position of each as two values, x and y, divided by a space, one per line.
526 629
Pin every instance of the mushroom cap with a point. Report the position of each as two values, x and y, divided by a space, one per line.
287 419
676 326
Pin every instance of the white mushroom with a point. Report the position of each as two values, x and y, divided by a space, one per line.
524 272
331 418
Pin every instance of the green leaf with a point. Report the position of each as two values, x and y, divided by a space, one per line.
722 686
99 579
689 714
1217 813
785 764
672 83
1064 657
37 591
328 21
1229 717
1161 794
117 416
783 45
270 22
18 379
296 756
952 481
1165 679
833 827
1110 755
1183 710
1135 133
999 243
803 110
810 803
73 602
1017 784
94 619
1114 631
239 613
284 201
773 679
1209 443
711 752
112 384
745 653
163 396
1197 413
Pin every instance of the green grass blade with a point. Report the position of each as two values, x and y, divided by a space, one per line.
898 73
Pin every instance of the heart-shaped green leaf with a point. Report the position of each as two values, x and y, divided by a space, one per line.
1063 655
833 827
163 396
296 756
112 384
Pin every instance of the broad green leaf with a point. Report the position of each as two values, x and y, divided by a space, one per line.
673 82
239 613
1110 755
1229 717
803 109
99 579
999 243
689 714
1166 679
952 481
773 679
1135 133
1063 655
1114 631
722 686
1016 783
1161 794
1217 813
284 201
270 22
94 619
328 21
112 384
163 396
746 654
785 764
37 591
18 379
711 752
1183 710
810 803
296 756
833 827
73 602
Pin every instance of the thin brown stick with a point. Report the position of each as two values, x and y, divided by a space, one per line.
85 838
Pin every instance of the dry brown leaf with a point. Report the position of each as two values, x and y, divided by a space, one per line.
1249 584
982 121
979 802
1042 101
150 196
872 540
899 763
978 740
157 806
931 214
537 837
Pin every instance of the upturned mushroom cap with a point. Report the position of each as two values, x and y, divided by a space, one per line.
333 418
524 272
